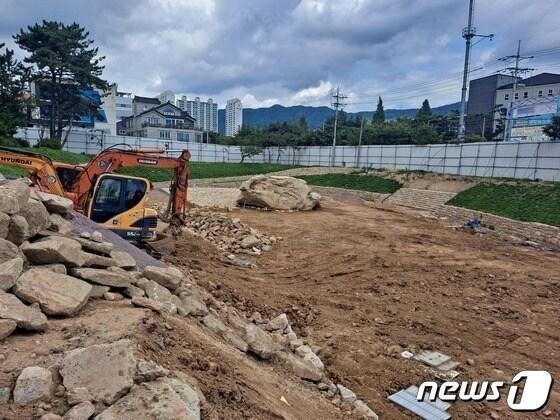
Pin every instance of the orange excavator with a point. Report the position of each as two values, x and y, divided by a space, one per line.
118 202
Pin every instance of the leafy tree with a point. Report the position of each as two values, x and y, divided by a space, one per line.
13 79
379 114
552 130
425 112
64 62
425 134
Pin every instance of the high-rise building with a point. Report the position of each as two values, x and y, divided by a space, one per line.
167 96
205 113
234 117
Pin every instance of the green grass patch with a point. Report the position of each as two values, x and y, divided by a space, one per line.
201 170
528 202
354 182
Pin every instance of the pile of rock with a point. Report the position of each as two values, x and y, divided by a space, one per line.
227 234
85 382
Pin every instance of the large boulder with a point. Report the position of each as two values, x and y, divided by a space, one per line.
103 277
277 192
34 383
7 326
9 272
169 277
105 370
8 251
123 259
18 229
167 400
4 225
36 215
15 194
57 294
27 317
55 203
55 249
259 342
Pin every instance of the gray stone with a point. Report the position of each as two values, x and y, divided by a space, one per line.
157 292
96 236
193 305
188 395
27 317
98 261
309 356
5 393
55 249
60 224
362 408
82 411
133 291
4 225
147 371
278 323
78 395
346 395
8 251
15 194
55 268
123 259
34 383
169 277
57 294
165 403
154 305
9 272
98 291
51 416
112 296
106 370
259 342
18 229
7 327
36 215
55 203
103 277
103 248
299 367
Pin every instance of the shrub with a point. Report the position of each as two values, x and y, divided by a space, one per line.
50 143
13 142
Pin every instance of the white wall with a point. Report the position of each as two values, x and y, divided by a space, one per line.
524 160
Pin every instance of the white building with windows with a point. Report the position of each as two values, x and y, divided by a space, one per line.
205 113
123 105
234 117
535 101
167 96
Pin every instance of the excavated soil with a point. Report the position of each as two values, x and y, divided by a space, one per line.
366 283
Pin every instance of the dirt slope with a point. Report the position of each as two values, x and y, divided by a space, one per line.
365 283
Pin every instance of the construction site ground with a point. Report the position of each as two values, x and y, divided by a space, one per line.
366 283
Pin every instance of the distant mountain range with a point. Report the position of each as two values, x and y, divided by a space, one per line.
316 115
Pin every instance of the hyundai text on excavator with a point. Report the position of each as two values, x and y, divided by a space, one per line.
118 202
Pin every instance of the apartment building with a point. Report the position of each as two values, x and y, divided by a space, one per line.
234 117
204 112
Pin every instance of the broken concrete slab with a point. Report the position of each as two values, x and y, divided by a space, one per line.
55 249
26 317
9 272
57 294
106 370
103 277
33 384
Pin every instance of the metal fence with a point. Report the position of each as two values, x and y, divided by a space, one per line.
523 160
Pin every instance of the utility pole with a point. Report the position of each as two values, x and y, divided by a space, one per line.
468 33
515 71
358 151
338 97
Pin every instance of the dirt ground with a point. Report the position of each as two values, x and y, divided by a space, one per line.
366 283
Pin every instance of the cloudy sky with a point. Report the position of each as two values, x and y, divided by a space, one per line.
297 51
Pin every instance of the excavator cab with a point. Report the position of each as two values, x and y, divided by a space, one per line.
118 202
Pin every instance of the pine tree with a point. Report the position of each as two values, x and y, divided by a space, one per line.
63 63
425 112
13 79
379 114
